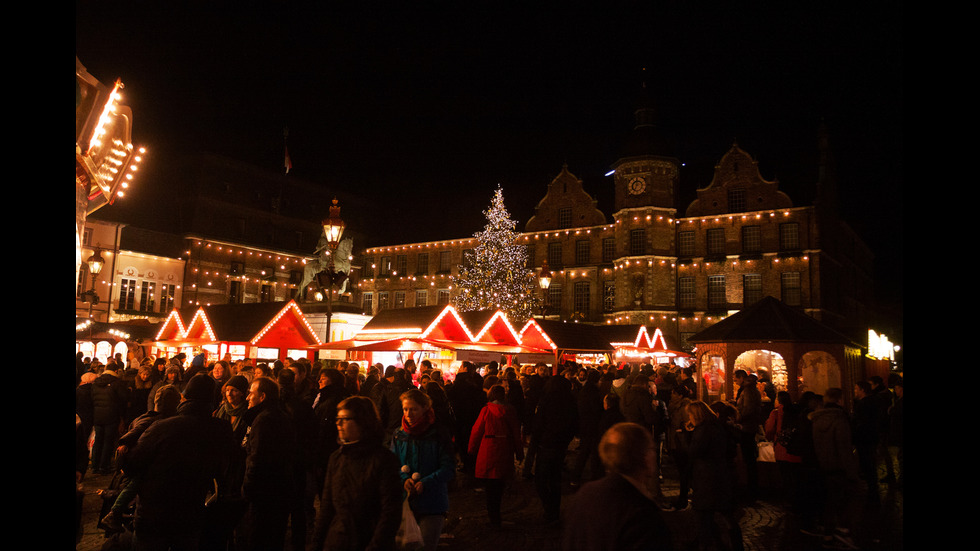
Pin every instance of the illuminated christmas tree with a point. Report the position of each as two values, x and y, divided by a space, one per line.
495 275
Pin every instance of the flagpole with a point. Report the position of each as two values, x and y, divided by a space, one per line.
287 162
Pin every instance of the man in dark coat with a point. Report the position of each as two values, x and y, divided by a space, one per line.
110 395
535 389
589 402
748 401
467 398
555 425
387 396
271 454
627 517
178 460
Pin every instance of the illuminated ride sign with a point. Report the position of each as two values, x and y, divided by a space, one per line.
879 347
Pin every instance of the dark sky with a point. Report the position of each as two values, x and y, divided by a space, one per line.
401 105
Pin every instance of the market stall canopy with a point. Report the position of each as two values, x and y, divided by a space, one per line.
564 337
640 340
269 324
770 320
131 331
437 328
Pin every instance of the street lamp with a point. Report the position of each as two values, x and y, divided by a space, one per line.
333 229
95 264
544 281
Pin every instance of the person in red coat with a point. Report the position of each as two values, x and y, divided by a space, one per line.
495 441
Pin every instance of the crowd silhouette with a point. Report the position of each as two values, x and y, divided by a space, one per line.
237 456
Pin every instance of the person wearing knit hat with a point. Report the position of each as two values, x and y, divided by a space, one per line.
200 387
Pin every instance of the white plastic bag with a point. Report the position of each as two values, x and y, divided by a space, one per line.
409 537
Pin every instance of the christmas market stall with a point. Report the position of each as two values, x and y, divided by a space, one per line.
795 351
566 342
263 332
439 334
638 344
101 341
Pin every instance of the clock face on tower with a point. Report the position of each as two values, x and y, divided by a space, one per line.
637 185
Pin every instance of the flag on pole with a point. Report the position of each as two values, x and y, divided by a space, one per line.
287 162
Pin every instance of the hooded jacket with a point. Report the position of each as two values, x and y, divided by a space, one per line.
495 441
110 395
832 441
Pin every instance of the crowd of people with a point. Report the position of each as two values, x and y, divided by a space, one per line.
235 455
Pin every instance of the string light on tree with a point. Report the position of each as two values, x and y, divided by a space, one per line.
494 275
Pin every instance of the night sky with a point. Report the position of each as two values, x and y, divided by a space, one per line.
430 98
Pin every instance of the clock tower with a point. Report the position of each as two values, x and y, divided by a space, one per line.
646 173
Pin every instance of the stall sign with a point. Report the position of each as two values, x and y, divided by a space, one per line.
879 346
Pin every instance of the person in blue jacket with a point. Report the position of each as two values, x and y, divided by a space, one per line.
428 460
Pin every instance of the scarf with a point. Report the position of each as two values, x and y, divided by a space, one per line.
420 426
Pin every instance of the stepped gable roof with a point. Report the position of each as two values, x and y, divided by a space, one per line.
770 320
738 170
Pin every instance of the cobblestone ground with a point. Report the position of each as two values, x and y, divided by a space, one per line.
767 524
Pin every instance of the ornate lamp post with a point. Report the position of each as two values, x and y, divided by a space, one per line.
333 229
544 281
95 264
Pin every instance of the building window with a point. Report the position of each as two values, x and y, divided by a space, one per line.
686 297
751 289
367 303
717 297
608 296
267 294
554 297
421 298
716 241
382 300
167 297
736 200
554 255
384 269
443 298
422 264
235 292
148 296
791 289
685 243
237 268
609 249
399 299
401 265
581 296
446 261
369 266
789 236
127 294
751 239
530 256
582 251
638 242
565 217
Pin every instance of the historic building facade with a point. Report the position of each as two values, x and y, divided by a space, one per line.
740 240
